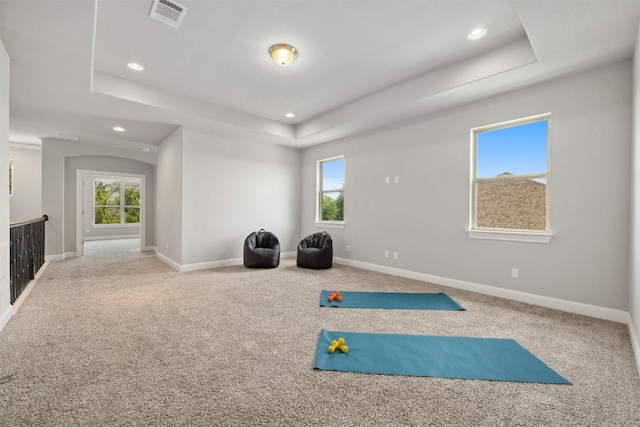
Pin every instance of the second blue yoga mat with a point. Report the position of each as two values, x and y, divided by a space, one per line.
495 359
397 300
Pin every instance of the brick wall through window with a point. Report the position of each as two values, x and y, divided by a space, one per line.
518 204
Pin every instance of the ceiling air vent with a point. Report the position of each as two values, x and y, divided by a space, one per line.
168 12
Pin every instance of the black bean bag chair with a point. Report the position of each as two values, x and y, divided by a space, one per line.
316 251
261 250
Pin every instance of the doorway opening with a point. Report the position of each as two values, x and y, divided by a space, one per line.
109 207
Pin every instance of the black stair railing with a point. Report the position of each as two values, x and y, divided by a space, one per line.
26 253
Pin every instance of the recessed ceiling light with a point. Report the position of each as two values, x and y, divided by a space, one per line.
146 150
290 115
135 66
477 33
118 128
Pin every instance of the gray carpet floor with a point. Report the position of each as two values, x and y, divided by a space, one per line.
118 338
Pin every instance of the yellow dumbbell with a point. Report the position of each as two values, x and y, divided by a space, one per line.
340 345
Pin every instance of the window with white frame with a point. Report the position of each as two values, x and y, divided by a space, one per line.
331 190
510 177
116 201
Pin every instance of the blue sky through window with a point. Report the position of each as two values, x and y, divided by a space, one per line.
520 150
333 175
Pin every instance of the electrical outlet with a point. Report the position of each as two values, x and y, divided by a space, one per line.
386 254
514 273
386 180
348 248
166 246
395 255
397 179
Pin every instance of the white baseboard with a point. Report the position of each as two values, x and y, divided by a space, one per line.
169 261
55 257
69 255
5 317
635 343
149 249
126 236
212 264
548 302
291 254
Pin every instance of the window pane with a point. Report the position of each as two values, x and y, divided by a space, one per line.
333 175
107 192
518 204
517 150
333 206
131 194
131 215
107 216
331 193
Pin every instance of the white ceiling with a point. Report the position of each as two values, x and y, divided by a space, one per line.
361 64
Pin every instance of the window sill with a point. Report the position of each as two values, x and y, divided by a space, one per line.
333 224
511 236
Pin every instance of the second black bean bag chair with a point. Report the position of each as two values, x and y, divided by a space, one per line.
316 251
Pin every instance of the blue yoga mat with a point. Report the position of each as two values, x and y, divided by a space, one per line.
397 300
434 356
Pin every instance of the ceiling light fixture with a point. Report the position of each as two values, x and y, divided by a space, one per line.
477 33
283 54
135 66
290 115
118 128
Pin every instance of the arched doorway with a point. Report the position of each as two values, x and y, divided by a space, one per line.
109 206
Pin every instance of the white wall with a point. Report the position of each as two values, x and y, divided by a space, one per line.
425 215
5 294
60 160
26 202
634 282
232 188
170 199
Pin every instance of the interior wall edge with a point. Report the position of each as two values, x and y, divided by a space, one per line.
635 343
